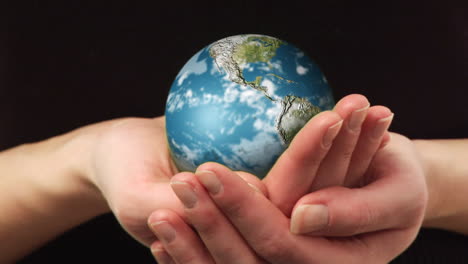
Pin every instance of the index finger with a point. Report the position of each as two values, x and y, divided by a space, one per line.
293 174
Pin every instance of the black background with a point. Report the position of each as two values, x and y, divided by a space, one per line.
66 64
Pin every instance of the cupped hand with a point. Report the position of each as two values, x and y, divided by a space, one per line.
335 148
131 167
234 223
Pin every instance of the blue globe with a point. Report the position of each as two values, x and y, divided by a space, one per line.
239 102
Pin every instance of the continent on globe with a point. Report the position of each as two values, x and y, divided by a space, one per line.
240 101
231 54
295 113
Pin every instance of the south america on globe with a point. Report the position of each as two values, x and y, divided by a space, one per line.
240 101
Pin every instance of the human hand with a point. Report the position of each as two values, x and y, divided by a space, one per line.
376 117
236 224
131 167
335 148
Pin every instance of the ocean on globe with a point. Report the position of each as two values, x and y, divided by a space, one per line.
239 102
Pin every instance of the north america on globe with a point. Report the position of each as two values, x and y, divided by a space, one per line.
240 101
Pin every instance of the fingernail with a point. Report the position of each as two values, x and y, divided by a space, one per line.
331 134
210 181
356 118
381 126
309 218
164 231
185 193
161 255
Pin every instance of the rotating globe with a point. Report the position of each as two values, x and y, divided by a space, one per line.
240 101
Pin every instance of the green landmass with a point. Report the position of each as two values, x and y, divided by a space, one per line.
250 50
255 83
256 49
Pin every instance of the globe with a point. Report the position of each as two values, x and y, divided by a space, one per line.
240 101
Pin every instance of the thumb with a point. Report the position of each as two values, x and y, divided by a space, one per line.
340 211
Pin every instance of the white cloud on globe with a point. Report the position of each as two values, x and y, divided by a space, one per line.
230 131
272 65
301 70
271 88
189 156
252 152
252 99
273 112
231 93
210 136
175 102
211 99
193 66
260 125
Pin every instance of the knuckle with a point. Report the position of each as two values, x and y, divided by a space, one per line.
286 206
361 218
347 154
273 247
208 226
234 209
186 257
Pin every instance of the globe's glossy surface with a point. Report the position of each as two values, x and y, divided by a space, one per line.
240 101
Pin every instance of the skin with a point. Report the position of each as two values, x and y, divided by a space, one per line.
373 123
119 166
308 165
123 166
393 189
386 229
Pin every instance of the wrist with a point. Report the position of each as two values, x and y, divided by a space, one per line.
446 176
66 163
44 193
77 151
427 163
65 166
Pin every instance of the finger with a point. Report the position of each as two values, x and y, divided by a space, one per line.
373 131
181 244
353 109
388 202
292 175
254 182
160 254
261 224
339 211
210 224
385 140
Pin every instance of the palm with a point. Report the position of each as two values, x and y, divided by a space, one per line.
132 168
394 172
398 165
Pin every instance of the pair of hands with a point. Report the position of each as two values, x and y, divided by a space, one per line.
371 218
